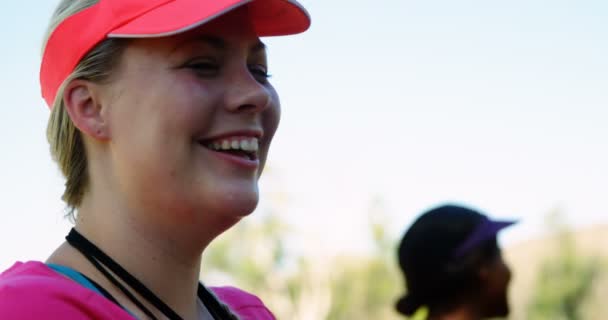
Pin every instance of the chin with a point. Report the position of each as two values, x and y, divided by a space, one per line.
240 209
500 311
233 202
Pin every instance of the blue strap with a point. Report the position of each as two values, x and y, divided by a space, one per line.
74 275
82 280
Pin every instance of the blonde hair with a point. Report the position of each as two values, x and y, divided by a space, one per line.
66 144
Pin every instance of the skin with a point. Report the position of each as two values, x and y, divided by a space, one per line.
496 283
490 302
157 197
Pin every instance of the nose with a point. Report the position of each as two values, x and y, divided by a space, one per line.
246 94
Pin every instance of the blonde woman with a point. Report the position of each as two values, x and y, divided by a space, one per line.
161 120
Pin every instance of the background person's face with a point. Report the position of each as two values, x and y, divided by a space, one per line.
174 102
495 290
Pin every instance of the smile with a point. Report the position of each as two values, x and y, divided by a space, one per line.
244 147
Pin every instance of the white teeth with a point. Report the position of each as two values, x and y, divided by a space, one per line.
245 144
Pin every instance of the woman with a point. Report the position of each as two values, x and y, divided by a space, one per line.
453 266
161 120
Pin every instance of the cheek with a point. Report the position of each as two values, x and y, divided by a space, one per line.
152 127
270 123
273 119
508 274
272 115
502 278
179 109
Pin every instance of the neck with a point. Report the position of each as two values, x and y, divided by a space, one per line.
158 241
169 275
466 311
166 262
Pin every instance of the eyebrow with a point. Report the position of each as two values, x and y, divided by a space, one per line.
221 44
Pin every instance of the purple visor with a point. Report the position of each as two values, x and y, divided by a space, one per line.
486 230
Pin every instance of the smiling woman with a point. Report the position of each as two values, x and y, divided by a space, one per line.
161 121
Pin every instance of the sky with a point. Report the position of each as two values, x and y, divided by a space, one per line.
389 107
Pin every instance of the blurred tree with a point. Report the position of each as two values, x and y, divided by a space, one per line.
565 278
252 256
366 287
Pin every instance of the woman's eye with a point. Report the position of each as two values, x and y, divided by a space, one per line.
260 73
204 68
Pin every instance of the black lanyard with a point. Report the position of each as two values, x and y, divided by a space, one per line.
98 257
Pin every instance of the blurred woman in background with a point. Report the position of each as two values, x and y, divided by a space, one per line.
453 266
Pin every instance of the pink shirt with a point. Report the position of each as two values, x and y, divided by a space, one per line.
33 291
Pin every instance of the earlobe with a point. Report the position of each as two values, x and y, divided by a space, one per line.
84 108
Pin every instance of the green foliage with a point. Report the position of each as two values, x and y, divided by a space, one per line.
363 289
300 287
260 251
366 287
564 282
563 285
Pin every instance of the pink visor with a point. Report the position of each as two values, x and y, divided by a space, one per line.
78 34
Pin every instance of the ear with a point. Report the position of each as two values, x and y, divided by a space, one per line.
82 104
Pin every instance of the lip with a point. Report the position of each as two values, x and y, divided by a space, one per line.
235 160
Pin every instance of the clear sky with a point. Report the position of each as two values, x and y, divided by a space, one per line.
499 104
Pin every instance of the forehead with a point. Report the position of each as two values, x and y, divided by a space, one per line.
231 34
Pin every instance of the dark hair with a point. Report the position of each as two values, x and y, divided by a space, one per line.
434 276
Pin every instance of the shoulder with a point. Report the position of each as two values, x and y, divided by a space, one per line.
33 291
243 303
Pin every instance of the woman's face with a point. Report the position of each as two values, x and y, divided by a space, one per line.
191 118
496 287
